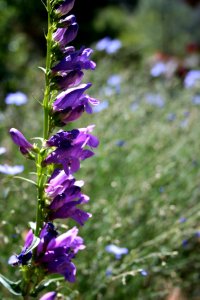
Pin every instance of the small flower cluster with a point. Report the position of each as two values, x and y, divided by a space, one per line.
61 153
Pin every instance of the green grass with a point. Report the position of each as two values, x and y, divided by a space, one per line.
139 191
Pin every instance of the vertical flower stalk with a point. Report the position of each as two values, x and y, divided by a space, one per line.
59 194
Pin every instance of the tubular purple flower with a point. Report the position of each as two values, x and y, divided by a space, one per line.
55 254
71 79
65 7
70 150
70 97
63 36
20 140
75 60
49 296
69 20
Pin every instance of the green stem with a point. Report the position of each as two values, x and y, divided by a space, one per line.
46 130
48 66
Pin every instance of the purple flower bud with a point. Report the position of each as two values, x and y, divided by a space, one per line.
65 7
69 20
49 296
65 35
19 139
72 79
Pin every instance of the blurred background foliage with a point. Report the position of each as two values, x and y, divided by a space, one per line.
144 180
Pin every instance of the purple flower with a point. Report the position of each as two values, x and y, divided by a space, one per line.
75 60
117 251
49 296
54 253
64 36
19 139
9 170
70 98
182 220
70 148
71 79
17 98
65 7
65 194
24 256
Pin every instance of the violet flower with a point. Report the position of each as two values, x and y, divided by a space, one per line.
64 36
75 60
54 253
49 296
20 140
65 7
24 256
70 148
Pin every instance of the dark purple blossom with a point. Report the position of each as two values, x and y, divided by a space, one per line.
70 148
20 140
65 7
55 254
75 60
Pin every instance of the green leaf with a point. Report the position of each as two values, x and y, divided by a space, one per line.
25 179
46 282
13 287
33 245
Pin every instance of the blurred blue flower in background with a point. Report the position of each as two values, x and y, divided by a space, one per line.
103 105
196 99
114 80
192 79
182 220
143 272
155 100
17 98
2 150
171 117
158 69
134 106
117 251
11 170
108 45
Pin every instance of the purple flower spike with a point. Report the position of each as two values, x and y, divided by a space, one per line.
65 7
49 296
19 139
